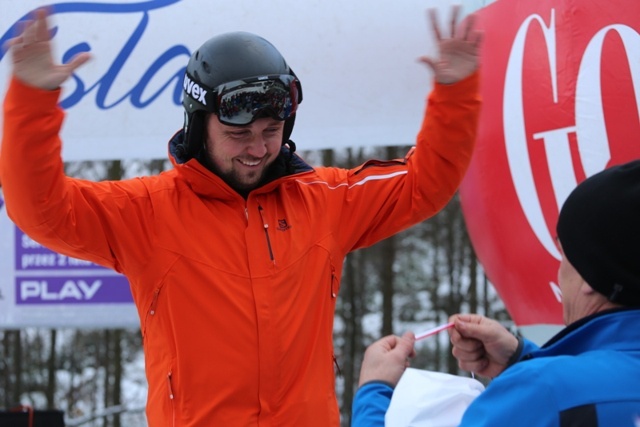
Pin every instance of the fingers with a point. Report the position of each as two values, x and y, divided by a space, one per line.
453 22
402 345
470 353
464 343
41 28
398 348
431 63
481 345
433 20
387 358
77 61
406 345
476 38
30 31
34 29
11 43
405 348
458 47
465 32
479 366
388 342
475 326
409 338
468 26
469 32
455 12
466 349
467 318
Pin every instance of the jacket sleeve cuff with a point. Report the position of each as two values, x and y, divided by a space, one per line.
370 404
525 347
515 357
470 84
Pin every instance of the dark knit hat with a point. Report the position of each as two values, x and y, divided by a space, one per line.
599 230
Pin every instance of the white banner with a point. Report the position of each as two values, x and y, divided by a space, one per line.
362 85
356 60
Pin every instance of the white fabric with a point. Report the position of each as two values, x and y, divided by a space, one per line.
431 399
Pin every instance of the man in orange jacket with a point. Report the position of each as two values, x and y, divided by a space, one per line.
234 256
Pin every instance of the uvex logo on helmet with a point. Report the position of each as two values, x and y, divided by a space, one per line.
194 90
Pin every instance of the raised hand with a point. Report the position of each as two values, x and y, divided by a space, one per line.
458 54
31 56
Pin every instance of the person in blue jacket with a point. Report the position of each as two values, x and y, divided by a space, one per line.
587 375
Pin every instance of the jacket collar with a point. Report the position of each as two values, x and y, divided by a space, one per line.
207 184
616 329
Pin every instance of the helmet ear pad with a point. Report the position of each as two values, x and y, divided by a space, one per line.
288 128
193 139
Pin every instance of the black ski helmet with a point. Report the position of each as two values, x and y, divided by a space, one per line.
222 59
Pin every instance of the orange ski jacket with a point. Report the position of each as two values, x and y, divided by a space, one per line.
236 297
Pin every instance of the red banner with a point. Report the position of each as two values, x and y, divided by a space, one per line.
560 83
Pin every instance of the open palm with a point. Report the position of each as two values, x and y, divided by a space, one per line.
32 59
458 55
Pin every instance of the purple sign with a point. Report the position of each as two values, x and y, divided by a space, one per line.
73 290
31 255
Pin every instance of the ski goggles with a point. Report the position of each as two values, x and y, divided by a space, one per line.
241 102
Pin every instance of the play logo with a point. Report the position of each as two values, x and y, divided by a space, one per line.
73 290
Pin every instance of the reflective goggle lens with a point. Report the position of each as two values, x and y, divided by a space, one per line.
243 101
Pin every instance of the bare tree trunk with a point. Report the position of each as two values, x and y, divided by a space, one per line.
113 357
387 256
353 305
117 374
351 323
156 166
106 363
328 157
388 253
472 262
5 369
18 367
51 370
485 291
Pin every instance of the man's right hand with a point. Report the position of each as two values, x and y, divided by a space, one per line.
31 56
481 345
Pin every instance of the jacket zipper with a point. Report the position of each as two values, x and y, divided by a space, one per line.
334 283
335 362
154 302
265 225
171 399
151 312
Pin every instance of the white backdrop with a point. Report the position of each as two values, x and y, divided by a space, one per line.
356 60
362 85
